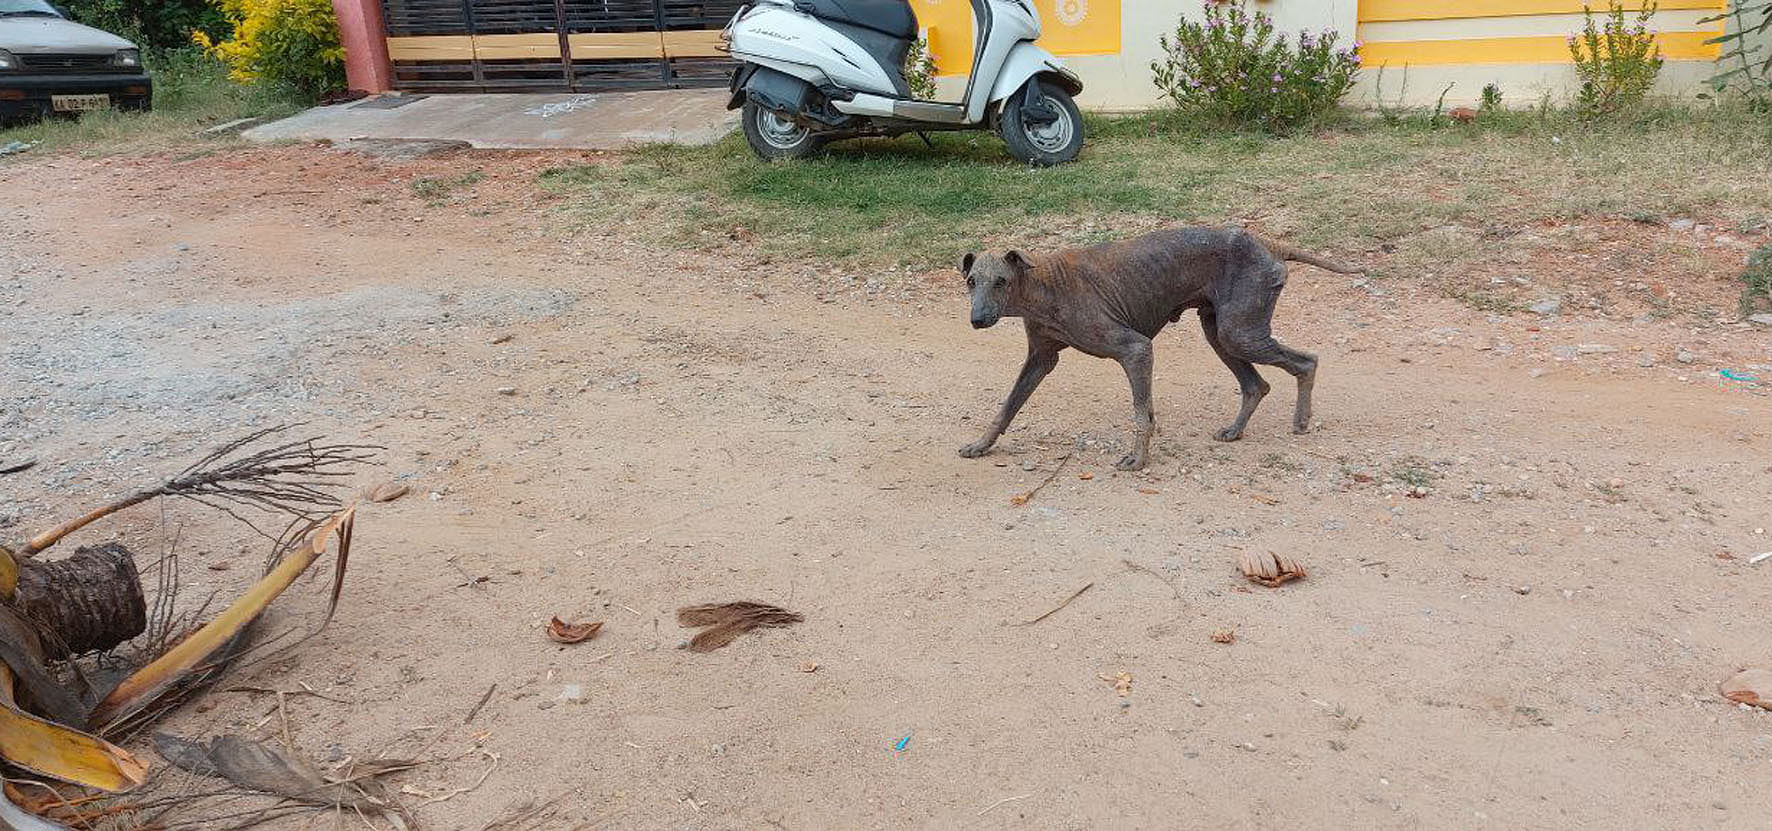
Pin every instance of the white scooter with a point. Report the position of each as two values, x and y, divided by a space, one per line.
816 70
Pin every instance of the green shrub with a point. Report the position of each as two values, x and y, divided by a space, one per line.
1756 289
1745 65
919 70
1232 69
1616 61
153 25
291 45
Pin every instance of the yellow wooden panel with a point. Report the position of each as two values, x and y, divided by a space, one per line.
1674 46
431 48
700 43
948 24
1067 27
1376 10
535 46
591 46
1080 27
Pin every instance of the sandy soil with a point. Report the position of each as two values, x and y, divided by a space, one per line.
1533 643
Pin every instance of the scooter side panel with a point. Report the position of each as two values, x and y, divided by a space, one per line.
800 45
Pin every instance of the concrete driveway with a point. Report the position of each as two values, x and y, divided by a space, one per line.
588 121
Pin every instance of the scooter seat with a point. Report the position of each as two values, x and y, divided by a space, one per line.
888 17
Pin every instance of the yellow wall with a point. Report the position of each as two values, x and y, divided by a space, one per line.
1396 33
1067 27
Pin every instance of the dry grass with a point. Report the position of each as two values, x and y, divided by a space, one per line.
1441 199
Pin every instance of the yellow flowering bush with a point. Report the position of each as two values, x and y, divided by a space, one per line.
288 43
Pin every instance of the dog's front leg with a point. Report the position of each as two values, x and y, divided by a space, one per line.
1134 354
1042 357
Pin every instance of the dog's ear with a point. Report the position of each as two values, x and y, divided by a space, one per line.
1017 260
966 262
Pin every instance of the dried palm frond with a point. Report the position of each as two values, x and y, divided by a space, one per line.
726 621
289 478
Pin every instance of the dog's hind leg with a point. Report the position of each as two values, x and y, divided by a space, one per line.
1261 348
1249 382
1042 357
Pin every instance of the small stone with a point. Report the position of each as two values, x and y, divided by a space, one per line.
1547 307
1564 353
1763 318
1685 357
504 338
574 694
1536 372
1595 348
1682 225
1522 590
506 390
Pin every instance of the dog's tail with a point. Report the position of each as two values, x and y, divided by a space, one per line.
1287 252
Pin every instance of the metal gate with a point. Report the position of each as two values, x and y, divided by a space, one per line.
547 45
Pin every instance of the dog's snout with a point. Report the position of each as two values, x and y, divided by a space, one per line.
981 322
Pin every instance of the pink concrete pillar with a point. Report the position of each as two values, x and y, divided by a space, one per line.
360 30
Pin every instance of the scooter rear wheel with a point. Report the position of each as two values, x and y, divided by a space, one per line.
1053 136
774 136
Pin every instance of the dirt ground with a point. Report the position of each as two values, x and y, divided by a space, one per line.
1532 640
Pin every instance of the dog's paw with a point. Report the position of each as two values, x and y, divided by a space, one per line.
1228 434
1130 461
1299 428
976 449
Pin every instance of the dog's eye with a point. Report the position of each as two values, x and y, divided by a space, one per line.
1000 282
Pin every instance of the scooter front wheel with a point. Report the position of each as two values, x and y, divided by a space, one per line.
1046 131
773 135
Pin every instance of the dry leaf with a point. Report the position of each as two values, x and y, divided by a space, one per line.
809 666
387 491
1122 682
1749 686
1264 499
1085 476
560 631
1269 569
1020 499
1151 491
726 621
262 767
1224 635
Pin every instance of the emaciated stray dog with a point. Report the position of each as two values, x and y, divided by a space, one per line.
1110 300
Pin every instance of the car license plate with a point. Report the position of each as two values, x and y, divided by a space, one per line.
76 103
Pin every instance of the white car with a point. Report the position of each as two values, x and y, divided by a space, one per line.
50 64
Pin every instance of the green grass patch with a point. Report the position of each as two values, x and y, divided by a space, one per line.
191 91
1429 189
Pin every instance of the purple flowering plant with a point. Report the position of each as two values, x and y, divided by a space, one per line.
1232 69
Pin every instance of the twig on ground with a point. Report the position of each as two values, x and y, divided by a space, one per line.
1024 498
1054 610
987 808
1166 581
483 699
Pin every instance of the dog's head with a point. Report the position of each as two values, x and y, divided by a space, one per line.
989 279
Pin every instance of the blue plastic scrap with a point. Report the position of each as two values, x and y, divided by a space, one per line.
901 744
